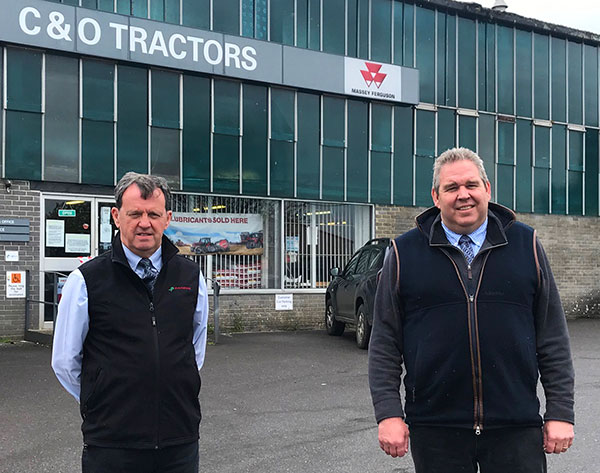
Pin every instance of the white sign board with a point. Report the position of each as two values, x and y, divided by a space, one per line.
77 243
15 284
373 80
11 255
284 301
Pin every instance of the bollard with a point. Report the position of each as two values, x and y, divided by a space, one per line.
216 290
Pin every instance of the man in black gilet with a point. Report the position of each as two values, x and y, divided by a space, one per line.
130 338
467 303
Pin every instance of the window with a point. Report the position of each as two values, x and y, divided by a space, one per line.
506 166
487 66
226 16
575 91
524 169
381 30
591 172
334 35
282 22
575 172
467 57
446 129
381 153
541 170
425 155
308 146
559 80
358 150
196 133
541 75
505 70
333 151
226 136
254 140
403 155
446 59
487 146
195 13
523 73
282 142
591 84
467 132
559 169
425 59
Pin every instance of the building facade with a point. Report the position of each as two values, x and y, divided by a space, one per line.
291 131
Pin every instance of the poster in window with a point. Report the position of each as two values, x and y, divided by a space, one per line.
232 234
77 243
55 233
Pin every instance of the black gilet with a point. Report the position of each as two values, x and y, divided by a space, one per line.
139 379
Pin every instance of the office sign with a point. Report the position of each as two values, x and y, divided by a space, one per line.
79 30
14 229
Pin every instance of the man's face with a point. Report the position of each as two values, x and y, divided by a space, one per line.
462 197
142 222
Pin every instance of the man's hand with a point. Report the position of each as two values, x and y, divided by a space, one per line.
393 436
558 436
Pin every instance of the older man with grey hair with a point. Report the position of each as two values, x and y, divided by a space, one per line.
130 338
468 304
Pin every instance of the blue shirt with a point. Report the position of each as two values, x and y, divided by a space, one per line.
477 236
72 324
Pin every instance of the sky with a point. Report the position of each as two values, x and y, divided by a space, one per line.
579 14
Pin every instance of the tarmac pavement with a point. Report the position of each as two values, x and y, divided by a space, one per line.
273 402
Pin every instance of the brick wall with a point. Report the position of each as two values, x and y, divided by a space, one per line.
20 202
571 243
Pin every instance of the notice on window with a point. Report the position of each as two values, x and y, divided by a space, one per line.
77 243
105 233
284 301
105 215
15 284
55 233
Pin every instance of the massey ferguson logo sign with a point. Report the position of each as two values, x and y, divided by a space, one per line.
372 80
372 74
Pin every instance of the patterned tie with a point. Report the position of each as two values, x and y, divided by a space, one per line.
149 273
467 249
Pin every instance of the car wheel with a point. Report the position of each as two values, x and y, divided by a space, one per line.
334 327
363 329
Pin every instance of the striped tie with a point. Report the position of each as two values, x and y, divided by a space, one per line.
467 249
149 273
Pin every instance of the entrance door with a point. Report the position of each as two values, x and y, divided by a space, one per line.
74 230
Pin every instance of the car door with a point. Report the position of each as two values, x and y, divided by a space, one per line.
345 288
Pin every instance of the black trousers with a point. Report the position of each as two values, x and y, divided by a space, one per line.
507 450
178 459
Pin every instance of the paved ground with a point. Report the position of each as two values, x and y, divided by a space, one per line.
282 402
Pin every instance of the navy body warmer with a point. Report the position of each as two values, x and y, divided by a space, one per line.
139 380
469 337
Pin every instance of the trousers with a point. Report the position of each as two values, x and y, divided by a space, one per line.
177 459
452 450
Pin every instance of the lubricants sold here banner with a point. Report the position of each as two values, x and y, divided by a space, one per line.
220 233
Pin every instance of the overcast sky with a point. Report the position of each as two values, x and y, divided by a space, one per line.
579 14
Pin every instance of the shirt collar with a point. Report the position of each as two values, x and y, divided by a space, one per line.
477 236
134 259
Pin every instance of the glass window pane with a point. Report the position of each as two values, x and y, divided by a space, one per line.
333 121
226 107
398 8
302 24
132 125
248 18
282 22
505 70
226 16
408 36
226 164
334 36
98 90
314 24
559 81
425 60
541 74
403 155
381 127
425 133
506 143
103 5
165 99
505 178
381 177
523 72
591 172
591 85
524 162
446 129
466 63
308 146
559 166
333 173
165 155
282 168
172 11
446 59
575 193
352 27
139 8
157 10
61 123
487 67
23 145
196 133
467 136
423 179
254 141
575 151
93 4
261 18
487 146
282 114
358 149
381 30
123 6
541 189
575 83
195 13
97 149
542 147
23 80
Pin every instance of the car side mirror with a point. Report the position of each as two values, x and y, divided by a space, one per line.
334 272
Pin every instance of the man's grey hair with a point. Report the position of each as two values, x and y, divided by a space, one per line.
451 156
147 185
